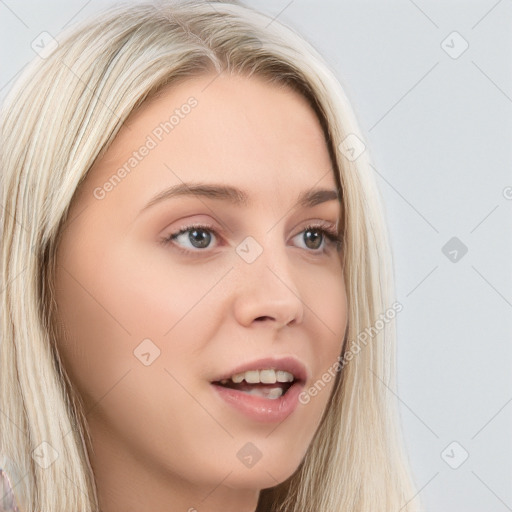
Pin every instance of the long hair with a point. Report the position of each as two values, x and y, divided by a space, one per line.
60 116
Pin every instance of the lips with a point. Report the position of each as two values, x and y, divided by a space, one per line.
289 364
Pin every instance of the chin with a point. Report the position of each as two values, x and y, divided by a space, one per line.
261 476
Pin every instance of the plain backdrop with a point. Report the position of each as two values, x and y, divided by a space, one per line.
431 84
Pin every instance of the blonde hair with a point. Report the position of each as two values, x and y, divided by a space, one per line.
62 115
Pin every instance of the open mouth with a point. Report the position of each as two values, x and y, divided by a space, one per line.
267 395
269 378
271 390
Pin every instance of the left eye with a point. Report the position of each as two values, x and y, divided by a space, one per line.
200 236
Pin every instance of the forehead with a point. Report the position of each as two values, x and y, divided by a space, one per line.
258 137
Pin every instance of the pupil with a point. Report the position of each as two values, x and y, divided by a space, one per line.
308 236
202 241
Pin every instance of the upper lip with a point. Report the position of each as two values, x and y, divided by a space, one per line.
288 364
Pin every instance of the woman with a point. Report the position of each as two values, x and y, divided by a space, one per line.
192 244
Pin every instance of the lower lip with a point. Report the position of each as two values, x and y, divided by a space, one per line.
261 409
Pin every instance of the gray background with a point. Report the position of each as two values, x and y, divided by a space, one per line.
439 129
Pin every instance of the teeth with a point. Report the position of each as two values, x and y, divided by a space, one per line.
252 377
239 377
283 376
273 393
267 376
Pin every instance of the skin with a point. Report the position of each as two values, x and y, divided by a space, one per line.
160 435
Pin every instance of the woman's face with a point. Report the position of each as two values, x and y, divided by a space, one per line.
149 325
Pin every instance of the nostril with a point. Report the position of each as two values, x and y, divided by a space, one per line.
264 318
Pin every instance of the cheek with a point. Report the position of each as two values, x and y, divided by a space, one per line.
117 305
330 310
155 292
96 336
111 307
328 304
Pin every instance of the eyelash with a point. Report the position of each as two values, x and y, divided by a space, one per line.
327 231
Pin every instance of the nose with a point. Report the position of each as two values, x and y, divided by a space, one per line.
267 291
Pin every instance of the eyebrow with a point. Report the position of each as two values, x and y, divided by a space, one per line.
236 196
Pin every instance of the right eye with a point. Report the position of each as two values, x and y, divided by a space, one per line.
198 236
